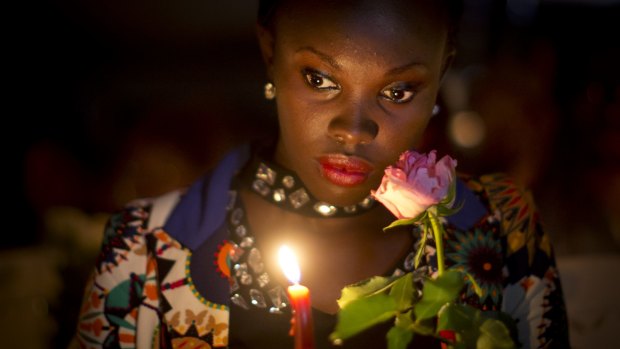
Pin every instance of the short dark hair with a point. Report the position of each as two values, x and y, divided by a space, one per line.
453 8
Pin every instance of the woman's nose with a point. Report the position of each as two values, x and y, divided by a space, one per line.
353 126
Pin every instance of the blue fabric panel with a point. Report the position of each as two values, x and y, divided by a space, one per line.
471 212
202 210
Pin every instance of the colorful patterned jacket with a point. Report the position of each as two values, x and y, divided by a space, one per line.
141 293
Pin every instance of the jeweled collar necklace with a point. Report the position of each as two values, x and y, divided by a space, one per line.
283 188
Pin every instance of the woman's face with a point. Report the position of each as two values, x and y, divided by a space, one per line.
356 85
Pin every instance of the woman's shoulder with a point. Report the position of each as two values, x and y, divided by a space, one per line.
129 219
153 211
512 204
500 191
143 212
127 227
509 201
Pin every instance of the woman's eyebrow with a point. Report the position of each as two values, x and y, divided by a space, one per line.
323 56
394 71
409 66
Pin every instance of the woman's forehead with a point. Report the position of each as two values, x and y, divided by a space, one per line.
396 18
403 31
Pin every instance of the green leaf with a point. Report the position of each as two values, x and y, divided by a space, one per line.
404 320
436 293
420 252
398 337
474 283
476 329
423 327
508 321
456 317
364 288
360 314
462 319
444 211
401 222
402 291
494 335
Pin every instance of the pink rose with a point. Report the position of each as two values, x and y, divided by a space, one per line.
415 183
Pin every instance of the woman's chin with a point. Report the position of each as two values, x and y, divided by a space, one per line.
345 196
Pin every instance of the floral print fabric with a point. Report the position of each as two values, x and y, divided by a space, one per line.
141 293
511 259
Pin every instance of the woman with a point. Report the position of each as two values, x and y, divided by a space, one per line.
355 83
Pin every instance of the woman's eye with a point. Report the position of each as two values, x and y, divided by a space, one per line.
398 94
319 81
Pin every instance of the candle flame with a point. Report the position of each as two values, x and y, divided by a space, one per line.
288 263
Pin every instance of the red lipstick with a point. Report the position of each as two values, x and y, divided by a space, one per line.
345 171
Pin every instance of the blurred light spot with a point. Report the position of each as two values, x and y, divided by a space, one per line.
455 92
467 129
436 109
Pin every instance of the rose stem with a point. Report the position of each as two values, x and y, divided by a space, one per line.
438 234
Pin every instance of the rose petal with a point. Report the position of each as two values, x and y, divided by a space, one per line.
416 182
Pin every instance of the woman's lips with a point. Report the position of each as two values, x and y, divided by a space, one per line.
345 171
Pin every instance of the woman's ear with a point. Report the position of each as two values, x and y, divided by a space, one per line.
266 43
447 63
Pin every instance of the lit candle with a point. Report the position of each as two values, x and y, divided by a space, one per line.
299 296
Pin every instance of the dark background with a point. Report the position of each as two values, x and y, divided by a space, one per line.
108 102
